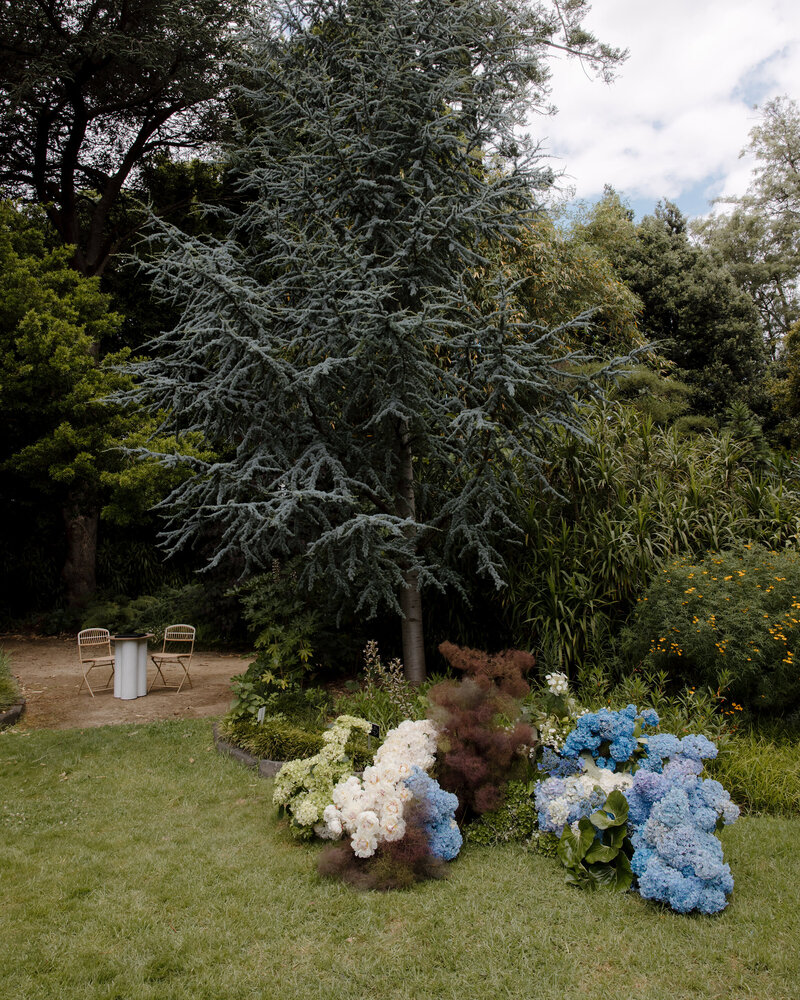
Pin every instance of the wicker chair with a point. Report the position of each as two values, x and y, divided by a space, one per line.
175 635
94 650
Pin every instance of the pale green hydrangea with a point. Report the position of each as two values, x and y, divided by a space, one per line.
305 787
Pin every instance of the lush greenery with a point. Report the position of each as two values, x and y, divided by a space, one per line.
9 689
215 900
464 470
726 620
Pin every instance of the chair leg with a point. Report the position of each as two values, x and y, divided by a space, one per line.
156 674
186 677
85 680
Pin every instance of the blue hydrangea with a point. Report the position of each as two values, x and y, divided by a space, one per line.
556 766
609 736
437 810
664 746
673 815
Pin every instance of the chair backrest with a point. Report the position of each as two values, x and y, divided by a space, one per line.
89 639
179 633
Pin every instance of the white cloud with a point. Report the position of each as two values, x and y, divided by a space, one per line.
681 108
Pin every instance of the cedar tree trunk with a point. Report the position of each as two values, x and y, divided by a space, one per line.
410 598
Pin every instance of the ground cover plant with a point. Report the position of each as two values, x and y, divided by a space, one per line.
137 862
9 689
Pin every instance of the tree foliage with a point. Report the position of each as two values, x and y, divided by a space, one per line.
692 309
759 239
376 403
91 91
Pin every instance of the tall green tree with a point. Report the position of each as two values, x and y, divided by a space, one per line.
376 403
692 309
759 239
90 91
58 427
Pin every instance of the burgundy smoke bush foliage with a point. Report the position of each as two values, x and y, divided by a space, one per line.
472 714
395 865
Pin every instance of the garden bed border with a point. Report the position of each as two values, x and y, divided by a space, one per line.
266 768
12 715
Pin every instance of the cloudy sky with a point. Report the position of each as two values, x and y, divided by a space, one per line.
676 118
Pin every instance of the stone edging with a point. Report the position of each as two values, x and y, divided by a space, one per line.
12 715
266 768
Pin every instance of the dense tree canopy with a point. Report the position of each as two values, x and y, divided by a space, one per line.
759 239
692 308
377 404
90 91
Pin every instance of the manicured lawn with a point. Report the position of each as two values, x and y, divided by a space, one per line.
135 862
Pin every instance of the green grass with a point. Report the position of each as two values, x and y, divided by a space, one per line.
135 862
9 690
761 773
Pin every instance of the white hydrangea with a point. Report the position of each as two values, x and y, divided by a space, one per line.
370 810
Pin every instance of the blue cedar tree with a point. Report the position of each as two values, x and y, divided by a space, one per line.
376 406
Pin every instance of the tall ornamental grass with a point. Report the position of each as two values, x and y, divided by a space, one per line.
623 500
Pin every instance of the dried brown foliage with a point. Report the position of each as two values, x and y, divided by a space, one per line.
476 717
395 865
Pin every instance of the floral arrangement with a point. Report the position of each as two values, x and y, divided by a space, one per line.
674 814
303 788
563 802
437 813
400 823
612 738
665 825
555 715
371 809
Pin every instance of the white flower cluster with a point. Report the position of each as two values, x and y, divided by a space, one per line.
370 810
580 794
557 683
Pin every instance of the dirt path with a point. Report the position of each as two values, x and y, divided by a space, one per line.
49 674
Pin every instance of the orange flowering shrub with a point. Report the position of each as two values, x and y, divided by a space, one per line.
732 618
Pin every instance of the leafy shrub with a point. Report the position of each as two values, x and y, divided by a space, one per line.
731 618
599 853
513 821
295 634
386 698
256 689
689 709
214 613
278 738
9 690
622 501
477 718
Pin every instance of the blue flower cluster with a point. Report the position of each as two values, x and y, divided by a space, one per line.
437 808
665 746
556 766
673 814
609 733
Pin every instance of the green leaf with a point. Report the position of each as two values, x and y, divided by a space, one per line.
600 852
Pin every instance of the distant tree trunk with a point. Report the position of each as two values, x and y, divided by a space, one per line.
79 574
410 598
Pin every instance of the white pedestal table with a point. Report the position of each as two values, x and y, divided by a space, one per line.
130 665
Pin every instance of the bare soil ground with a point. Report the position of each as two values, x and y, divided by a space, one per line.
49 674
